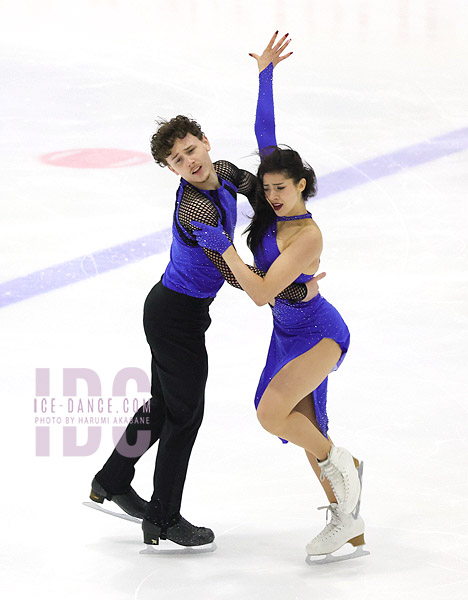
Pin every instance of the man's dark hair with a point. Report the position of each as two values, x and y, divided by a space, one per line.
168 132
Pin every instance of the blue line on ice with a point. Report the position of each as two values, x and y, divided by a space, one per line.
101 261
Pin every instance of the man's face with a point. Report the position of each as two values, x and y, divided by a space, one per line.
189 158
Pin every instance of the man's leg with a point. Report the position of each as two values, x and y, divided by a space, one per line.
177 340
182 365
183 369
117 473
112 482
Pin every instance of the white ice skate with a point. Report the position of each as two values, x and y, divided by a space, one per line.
340 530
341 470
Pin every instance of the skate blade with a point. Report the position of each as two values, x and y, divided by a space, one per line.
111 512
356 511
330 558
172 548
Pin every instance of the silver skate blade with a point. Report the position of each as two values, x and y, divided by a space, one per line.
172 548
111 512
330 558
356 511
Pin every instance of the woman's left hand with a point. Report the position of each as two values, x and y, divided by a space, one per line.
210 237
272 53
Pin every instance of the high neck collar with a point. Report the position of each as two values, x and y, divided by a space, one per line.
295 217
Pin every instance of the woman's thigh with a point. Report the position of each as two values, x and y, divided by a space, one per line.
300 377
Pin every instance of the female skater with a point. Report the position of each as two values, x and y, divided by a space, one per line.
309 339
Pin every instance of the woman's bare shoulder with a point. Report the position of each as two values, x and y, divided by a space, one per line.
310 231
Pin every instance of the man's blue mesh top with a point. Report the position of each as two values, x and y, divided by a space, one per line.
200 272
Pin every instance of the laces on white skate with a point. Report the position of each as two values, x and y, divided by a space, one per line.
331 518
338 481
340 530
341 470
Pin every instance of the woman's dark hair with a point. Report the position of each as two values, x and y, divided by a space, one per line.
277 160
168 132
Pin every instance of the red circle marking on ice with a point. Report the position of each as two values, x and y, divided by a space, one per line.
95 158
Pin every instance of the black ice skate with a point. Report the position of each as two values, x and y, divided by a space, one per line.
182 533
130 502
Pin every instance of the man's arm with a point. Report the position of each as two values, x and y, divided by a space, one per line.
245 182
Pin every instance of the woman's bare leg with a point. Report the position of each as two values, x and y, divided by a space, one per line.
307 408
288 387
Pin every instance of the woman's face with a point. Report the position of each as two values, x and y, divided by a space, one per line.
283 194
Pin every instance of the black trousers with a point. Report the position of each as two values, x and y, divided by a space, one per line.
175 326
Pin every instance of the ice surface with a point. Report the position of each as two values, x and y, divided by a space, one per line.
367 78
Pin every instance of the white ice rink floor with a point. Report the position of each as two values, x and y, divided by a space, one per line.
375 97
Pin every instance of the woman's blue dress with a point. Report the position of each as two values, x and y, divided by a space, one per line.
297 326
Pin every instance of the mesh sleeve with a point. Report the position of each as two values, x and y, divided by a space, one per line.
294 292
194 206
245 181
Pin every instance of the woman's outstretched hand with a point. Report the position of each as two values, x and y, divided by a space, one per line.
272 53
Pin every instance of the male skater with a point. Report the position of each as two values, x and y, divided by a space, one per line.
175 319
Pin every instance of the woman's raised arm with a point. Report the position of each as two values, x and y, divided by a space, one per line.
265 115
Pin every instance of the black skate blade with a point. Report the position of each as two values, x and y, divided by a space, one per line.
112 513
330 558
166 547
